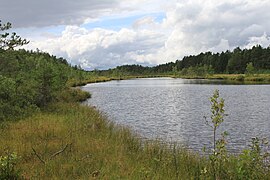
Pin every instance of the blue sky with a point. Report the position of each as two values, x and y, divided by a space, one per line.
117 23
107 33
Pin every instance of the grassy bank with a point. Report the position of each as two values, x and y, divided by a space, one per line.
251 79
233 78
71 141
97 79
89 146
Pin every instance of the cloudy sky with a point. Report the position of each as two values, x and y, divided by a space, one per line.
106 33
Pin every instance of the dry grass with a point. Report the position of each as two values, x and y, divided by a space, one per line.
242 77
96 148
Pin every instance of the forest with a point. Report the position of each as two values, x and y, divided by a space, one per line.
229 62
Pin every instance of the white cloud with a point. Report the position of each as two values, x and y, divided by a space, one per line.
100 48
203 25
222 46
255 40
252 30
145 22
189 27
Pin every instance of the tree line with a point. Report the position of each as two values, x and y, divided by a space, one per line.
229 62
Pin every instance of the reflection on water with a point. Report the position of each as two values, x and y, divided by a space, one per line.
173 109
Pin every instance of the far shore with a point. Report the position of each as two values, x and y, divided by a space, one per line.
230 78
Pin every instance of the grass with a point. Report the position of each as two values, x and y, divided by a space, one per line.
244 78
95 148
238 78
90 79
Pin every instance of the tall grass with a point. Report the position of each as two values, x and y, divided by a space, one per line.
96 148
261 78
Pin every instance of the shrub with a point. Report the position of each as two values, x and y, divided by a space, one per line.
219 155
7 167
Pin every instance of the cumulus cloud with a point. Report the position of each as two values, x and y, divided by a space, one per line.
100 48
209 24
255 40
188 27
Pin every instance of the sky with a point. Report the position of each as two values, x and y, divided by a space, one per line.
102 34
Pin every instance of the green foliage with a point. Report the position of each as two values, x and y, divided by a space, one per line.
250 70
31 80
251 163
7 92
117 73
15 101
73 95
219 155
240 77
174 70
235 63
198 71
8 169
50 81
217 110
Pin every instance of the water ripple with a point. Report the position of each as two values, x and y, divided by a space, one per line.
173 109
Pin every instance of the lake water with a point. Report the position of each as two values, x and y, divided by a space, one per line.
174 109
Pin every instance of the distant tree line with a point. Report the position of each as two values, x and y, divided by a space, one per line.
231 62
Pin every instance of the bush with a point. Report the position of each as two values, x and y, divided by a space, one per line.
15 101
240 78
252 163
250 70
7 167
73 95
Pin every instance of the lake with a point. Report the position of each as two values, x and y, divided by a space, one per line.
174 109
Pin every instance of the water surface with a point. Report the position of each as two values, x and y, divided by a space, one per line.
173 109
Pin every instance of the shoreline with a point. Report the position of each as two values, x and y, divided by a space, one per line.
237 79
91 145
241 78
